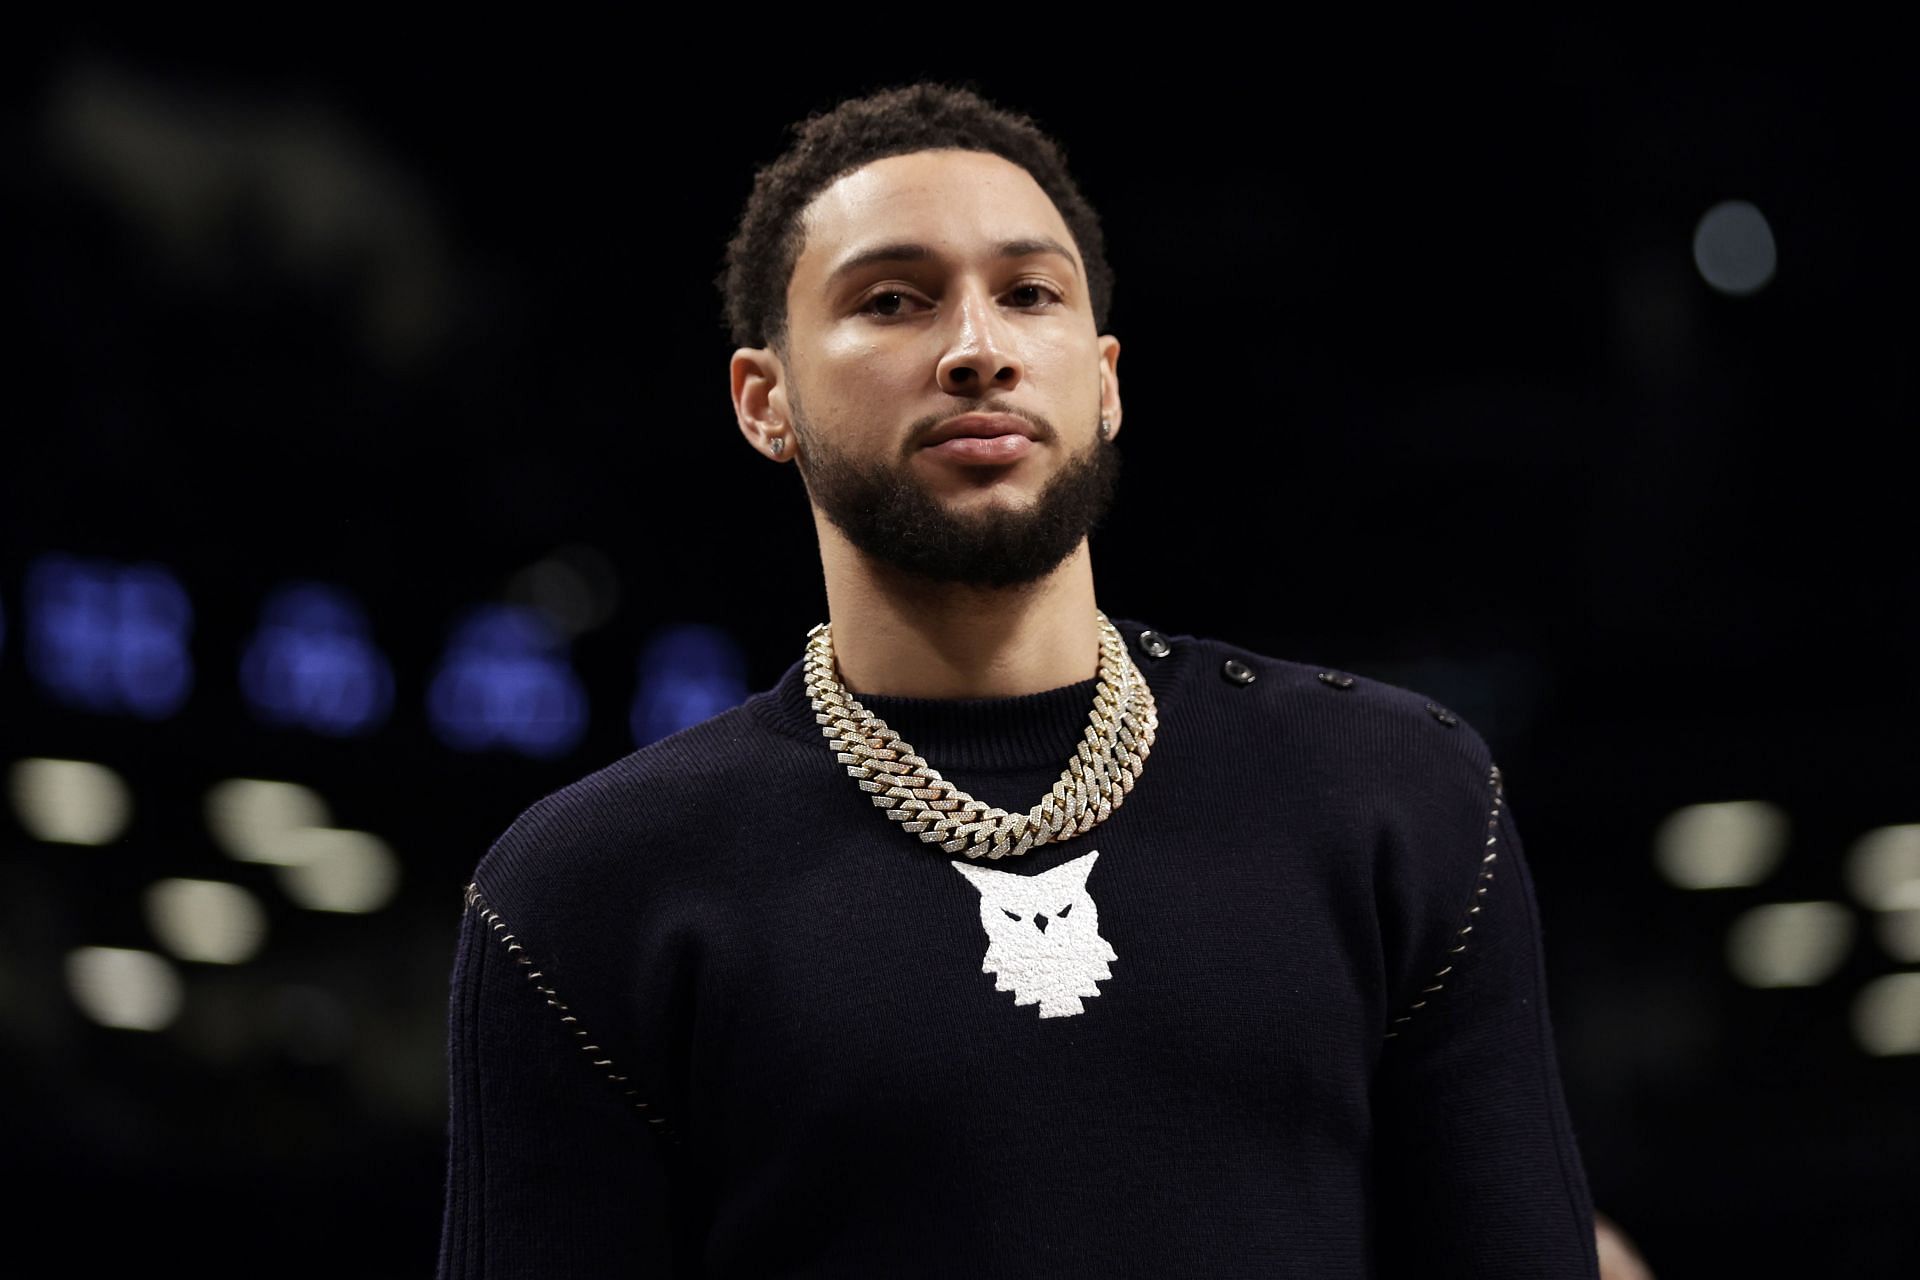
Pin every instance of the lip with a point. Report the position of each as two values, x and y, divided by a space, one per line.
989 451
985 426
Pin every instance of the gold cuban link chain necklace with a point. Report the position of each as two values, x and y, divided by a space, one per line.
1096 780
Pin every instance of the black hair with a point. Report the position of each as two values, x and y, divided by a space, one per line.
828 145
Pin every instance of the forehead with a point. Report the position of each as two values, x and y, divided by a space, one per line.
960 202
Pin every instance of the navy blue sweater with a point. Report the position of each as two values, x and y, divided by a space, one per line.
712 1014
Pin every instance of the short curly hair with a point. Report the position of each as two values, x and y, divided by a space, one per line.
924 116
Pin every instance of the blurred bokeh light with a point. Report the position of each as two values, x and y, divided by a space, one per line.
1722 845
70 801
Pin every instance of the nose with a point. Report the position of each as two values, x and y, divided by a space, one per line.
979 355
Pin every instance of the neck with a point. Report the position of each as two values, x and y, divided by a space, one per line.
898 635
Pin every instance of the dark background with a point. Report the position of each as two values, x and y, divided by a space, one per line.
1422 382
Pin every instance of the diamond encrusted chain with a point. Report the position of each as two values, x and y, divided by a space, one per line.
1096 780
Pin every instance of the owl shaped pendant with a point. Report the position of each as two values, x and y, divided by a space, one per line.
1043 934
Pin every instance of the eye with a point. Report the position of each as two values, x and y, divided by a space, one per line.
1010 915
1035 287
886 303
1061 914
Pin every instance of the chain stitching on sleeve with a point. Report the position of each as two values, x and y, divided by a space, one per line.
1479 892
583 1041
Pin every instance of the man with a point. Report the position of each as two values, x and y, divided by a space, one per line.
1254 988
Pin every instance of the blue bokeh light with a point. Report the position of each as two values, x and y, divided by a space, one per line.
313 664
109 637
506 682
688 673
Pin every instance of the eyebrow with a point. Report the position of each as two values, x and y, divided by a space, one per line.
907 251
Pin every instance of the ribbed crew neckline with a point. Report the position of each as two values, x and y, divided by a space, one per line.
1025 731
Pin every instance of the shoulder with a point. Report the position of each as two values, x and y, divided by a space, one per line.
1394 786
595 837
1400 747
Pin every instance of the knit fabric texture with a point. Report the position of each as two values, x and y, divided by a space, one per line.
1282 1014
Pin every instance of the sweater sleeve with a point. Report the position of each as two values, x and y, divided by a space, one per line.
551 1171
1476 1170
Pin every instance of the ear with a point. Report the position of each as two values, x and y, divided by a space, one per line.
1110 382
760 402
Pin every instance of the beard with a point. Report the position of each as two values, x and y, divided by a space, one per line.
894 520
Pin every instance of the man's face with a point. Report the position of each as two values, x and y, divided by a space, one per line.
979 304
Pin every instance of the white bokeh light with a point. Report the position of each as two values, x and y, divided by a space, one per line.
1733 248
334 870
1886 1015
1883 867
250 817
209 921
124 988
70 801
1789 944
1724 845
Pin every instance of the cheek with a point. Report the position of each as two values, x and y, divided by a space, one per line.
862 373
849 359
1060 357
862 389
